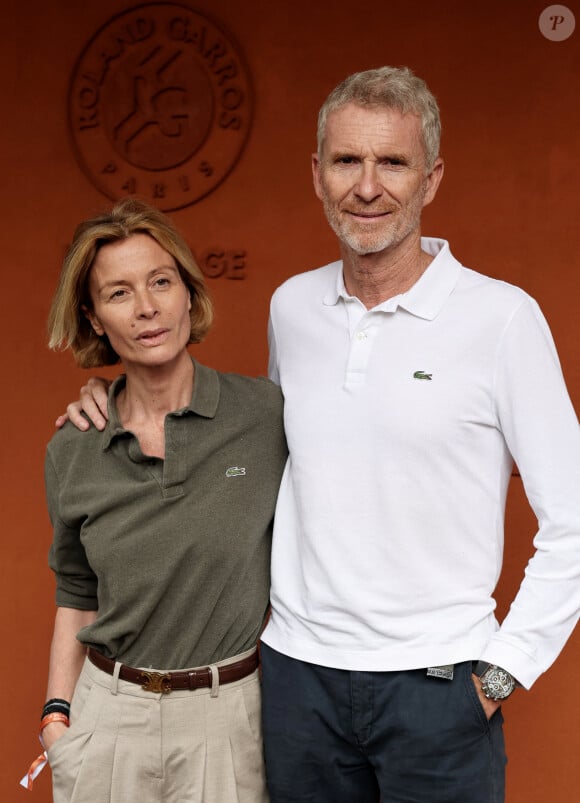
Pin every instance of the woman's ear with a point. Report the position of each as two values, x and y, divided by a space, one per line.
93 320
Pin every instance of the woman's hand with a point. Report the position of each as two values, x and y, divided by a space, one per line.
67 656
52 733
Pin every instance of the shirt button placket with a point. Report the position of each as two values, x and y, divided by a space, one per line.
360 350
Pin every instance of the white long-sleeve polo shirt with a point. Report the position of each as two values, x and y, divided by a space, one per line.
403 422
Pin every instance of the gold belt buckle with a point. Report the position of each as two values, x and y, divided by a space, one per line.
156 682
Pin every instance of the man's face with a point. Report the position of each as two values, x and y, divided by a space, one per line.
371 177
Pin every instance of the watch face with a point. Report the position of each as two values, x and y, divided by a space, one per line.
497 684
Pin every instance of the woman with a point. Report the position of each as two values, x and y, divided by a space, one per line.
162 530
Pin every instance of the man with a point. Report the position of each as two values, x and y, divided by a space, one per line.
411 384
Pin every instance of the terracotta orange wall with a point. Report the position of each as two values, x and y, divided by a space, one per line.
508 204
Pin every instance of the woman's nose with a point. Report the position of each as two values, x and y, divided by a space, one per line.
146 305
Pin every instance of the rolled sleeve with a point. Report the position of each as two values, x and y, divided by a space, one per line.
76 583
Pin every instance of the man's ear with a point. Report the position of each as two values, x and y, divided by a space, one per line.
433 181
316 175
93 320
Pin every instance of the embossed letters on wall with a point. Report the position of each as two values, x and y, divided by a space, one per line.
160 105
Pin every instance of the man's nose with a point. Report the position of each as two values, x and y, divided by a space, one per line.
368 186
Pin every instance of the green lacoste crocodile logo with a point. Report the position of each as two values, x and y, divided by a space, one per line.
422 375
235 471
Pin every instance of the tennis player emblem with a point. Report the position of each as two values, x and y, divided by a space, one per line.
160 105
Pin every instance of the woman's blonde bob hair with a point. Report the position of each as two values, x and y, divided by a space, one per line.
68 326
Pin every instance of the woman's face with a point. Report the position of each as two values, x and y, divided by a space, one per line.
140 301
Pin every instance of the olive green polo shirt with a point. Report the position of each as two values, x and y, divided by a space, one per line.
175 553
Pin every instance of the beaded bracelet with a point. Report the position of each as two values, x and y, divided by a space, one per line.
56 705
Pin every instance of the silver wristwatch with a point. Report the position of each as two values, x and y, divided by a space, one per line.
496 683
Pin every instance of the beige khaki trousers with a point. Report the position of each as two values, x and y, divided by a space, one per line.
126 745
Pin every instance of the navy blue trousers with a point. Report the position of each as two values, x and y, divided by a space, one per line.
335 736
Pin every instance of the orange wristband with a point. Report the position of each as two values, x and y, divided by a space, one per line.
55 717
34 770
39 763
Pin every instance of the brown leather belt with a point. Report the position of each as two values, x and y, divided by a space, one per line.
164 682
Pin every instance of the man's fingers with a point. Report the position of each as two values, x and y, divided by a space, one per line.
61 420
93 403
489 706
74 415
96 392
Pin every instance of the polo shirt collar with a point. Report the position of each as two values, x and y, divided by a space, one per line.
204 401
427 296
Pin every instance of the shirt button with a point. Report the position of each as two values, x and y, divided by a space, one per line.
361 336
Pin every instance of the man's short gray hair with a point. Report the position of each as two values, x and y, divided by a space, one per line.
394 88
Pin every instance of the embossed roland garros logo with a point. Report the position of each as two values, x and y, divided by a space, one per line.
160 105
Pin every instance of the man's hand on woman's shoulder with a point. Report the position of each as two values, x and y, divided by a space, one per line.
93 403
